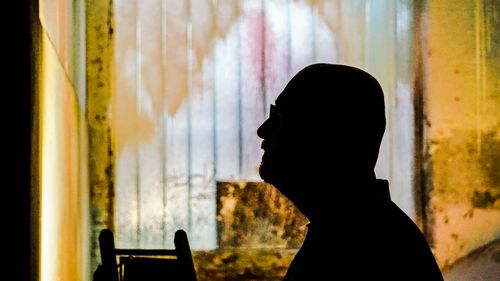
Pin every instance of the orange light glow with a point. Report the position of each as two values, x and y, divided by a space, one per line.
61 240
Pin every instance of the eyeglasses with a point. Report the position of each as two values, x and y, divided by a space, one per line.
274 113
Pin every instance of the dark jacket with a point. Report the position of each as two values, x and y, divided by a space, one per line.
369 238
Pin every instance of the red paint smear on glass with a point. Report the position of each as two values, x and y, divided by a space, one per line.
262 42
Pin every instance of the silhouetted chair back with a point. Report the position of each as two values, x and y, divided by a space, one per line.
145 264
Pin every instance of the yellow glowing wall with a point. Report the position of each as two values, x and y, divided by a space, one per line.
462 138
62 185
99 51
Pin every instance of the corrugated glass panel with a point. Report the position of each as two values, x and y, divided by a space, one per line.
208 72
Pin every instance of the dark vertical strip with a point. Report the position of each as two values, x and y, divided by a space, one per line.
190 94
19 83
137 110
240 101
27 220
423 177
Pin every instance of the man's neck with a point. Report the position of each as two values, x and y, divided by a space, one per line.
341 196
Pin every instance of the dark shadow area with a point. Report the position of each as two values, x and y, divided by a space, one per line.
145 264
17 88
321 143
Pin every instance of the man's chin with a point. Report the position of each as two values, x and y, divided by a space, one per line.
265 173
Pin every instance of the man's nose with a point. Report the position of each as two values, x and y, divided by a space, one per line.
263 130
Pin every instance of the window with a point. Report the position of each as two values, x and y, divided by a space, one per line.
194 80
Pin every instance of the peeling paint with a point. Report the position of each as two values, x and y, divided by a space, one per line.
256 215
462 104
243 264
490 159
99 18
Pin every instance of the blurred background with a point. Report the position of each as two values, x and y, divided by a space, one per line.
145 116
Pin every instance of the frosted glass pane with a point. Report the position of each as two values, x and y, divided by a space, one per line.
203 220
202 135
176 54
150 195
202 128
326 48
301 36
403 113
402 178
193 86
227 105
150 44
253 97
149 104
276 50
126 204
202 169
177 149
125 120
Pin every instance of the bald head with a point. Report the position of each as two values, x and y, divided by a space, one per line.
335 109
327 124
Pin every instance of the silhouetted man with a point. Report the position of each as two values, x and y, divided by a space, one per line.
321 143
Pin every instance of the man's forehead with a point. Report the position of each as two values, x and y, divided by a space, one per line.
283 100
288 107
288 102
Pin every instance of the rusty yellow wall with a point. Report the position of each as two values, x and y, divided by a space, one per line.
462 110
63 193
99 36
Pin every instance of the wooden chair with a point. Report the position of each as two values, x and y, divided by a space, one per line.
145 264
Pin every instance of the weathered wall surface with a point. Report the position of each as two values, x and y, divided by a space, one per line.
99 36
243 264
259 233
257 215
461 134
461 119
